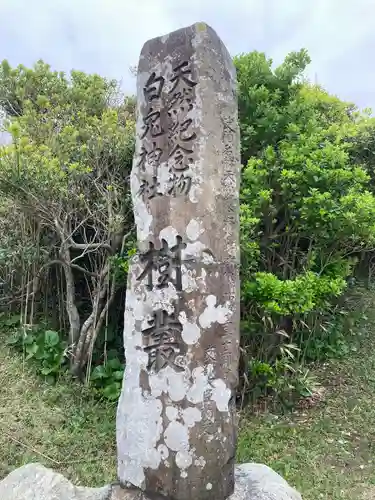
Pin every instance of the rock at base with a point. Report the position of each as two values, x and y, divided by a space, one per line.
252 482
259 482
35 482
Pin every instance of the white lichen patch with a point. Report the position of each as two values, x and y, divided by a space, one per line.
200 462
183 459
206 386
163 298
164 178
174 384
233 251
191 416
171 412
214 314
136 430
194 229
196 391
169 234
190 330
189 280
201 280
220 394
191 305
207 258
193 250
209 370
164 451
176 436
196 190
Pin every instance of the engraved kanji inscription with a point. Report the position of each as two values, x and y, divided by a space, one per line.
162 340
153 88
180 129
166 261
181 93
180 158
150 189
180 184
182 73
152 124
151 156
181 133
182 99
176 124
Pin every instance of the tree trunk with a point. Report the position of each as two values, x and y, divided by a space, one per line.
71 308
91 327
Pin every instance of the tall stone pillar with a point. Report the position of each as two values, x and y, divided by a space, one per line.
176 420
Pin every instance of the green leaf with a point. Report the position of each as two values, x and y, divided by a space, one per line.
114 364
14 340
118 375
99 373
29 339
112 391
51 338
31 350
47 370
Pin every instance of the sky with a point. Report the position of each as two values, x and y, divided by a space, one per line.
106 36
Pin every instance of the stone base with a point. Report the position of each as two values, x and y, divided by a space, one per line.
35 482
253 482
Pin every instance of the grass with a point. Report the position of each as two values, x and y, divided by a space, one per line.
61 426
326 451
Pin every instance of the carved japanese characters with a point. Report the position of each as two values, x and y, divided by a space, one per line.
168 103
176 419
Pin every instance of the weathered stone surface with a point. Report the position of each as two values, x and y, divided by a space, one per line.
259 482
35 482
176 420
252 482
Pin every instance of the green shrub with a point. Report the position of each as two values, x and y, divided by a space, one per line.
49 354
43 346
107 378
307 214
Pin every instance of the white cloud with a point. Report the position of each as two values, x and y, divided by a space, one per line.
106 36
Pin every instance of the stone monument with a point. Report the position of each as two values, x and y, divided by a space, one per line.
176 419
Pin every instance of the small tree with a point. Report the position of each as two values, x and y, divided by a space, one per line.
307 203
66 171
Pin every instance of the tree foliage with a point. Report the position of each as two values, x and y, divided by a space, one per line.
307 201
66 171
